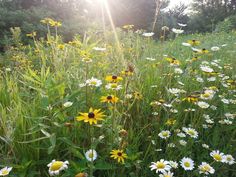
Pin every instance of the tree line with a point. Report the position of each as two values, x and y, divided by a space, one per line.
79 15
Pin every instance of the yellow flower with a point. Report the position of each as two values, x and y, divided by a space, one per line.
113 78
191 98
55 23
138 96
119 155
204 51
61 46
195 58
173 61
109 99
170 122
91 117
46 20
128 27
127 73
33 34
193 42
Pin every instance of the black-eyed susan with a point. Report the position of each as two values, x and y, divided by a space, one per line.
109 99
193 42
113 78
119 155
127 73
204 51
92 117
138 96
173 61
192 98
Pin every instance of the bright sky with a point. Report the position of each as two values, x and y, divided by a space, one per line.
176 2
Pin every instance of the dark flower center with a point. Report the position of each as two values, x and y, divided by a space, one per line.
91 115
114 77
109 97
119 154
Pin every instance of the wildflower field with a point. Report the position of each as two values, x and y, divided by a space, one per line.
118 104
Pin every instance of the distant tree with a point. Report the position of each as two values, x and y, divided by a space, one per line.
210 12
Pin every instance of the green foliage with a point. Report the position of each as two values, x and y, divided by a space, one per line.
36 81
227 25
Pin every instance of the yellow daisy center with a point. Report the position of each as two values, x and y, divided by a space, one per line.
113 85
165 134
205 168
56 165
217 157
90 155
186 164
5 172
160 165
191 132
93 82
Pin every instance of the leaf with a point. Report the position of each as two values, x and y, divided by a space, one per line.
102 165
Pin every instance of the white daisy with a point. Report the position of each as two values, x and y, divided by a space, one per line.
215 48
148 34
113 86
199 79
206 169
229 159
150 59
164 134
181 134
165 28
91 155
205 146
178 71
160 166
94 82
206 69
203 104
191 132
173 164
182 25
99 49
5 171
186 44
166 174
187 163
217 156
182 142
56 166
68 104
177 31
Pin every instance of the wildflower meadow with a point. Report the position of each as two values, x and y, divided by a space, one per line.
118 103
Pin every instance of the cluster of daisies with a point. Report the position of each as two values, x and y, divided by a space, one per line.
165 168
56 166
210 76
